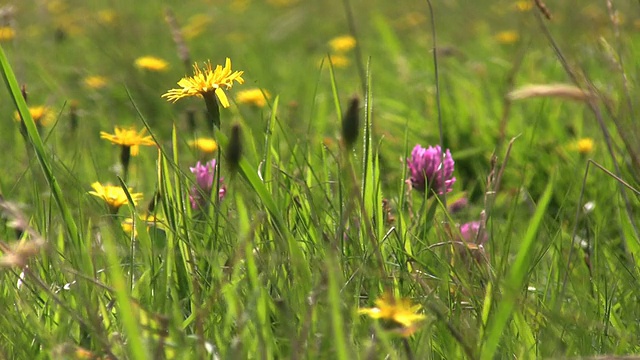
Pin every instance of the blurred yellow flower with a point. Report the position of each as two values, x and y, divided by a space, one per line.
195 26
151 63
239 6
106 16
400 314
114 196
253 97
41 115
411 20
524 5
584 145
342 43
149 219
507 37
206 145
281 3
129 138
95 82
337 60
57 6
207 80
7 33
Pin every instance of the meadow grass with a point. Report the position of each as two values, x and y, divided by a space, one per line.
307 242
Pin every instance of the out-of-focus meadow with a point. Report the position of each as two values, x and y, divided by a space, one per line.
318 232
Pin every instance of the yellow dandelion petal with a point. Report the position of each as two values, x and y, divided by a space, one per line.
129 137
151 63
253 97
222 97
342 43
114 196
207 80
206 145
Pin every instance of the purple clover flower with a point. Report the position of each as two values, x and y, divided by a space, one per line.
470 230
429 170
201 192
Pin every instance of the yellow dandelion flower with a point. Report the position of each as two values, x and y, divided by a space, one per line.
129 138
339 61
148 219
507 37
41 115
253 97
7 33
584 145
114 196
207 80
399 313
342 43
206 145
524 5
95 82
151 63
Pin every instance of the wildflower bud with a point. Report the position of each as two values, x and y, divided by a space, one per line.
23 90
351 122
154 201
458 205
125 156
213 110
73 115
191 120
234 149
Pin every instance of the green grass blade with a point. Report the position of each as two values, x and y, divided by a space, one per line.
515 278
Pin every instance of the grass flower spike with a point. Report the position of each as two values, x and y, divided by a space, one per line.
113 196
207 80
399 314
429 170
201 192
